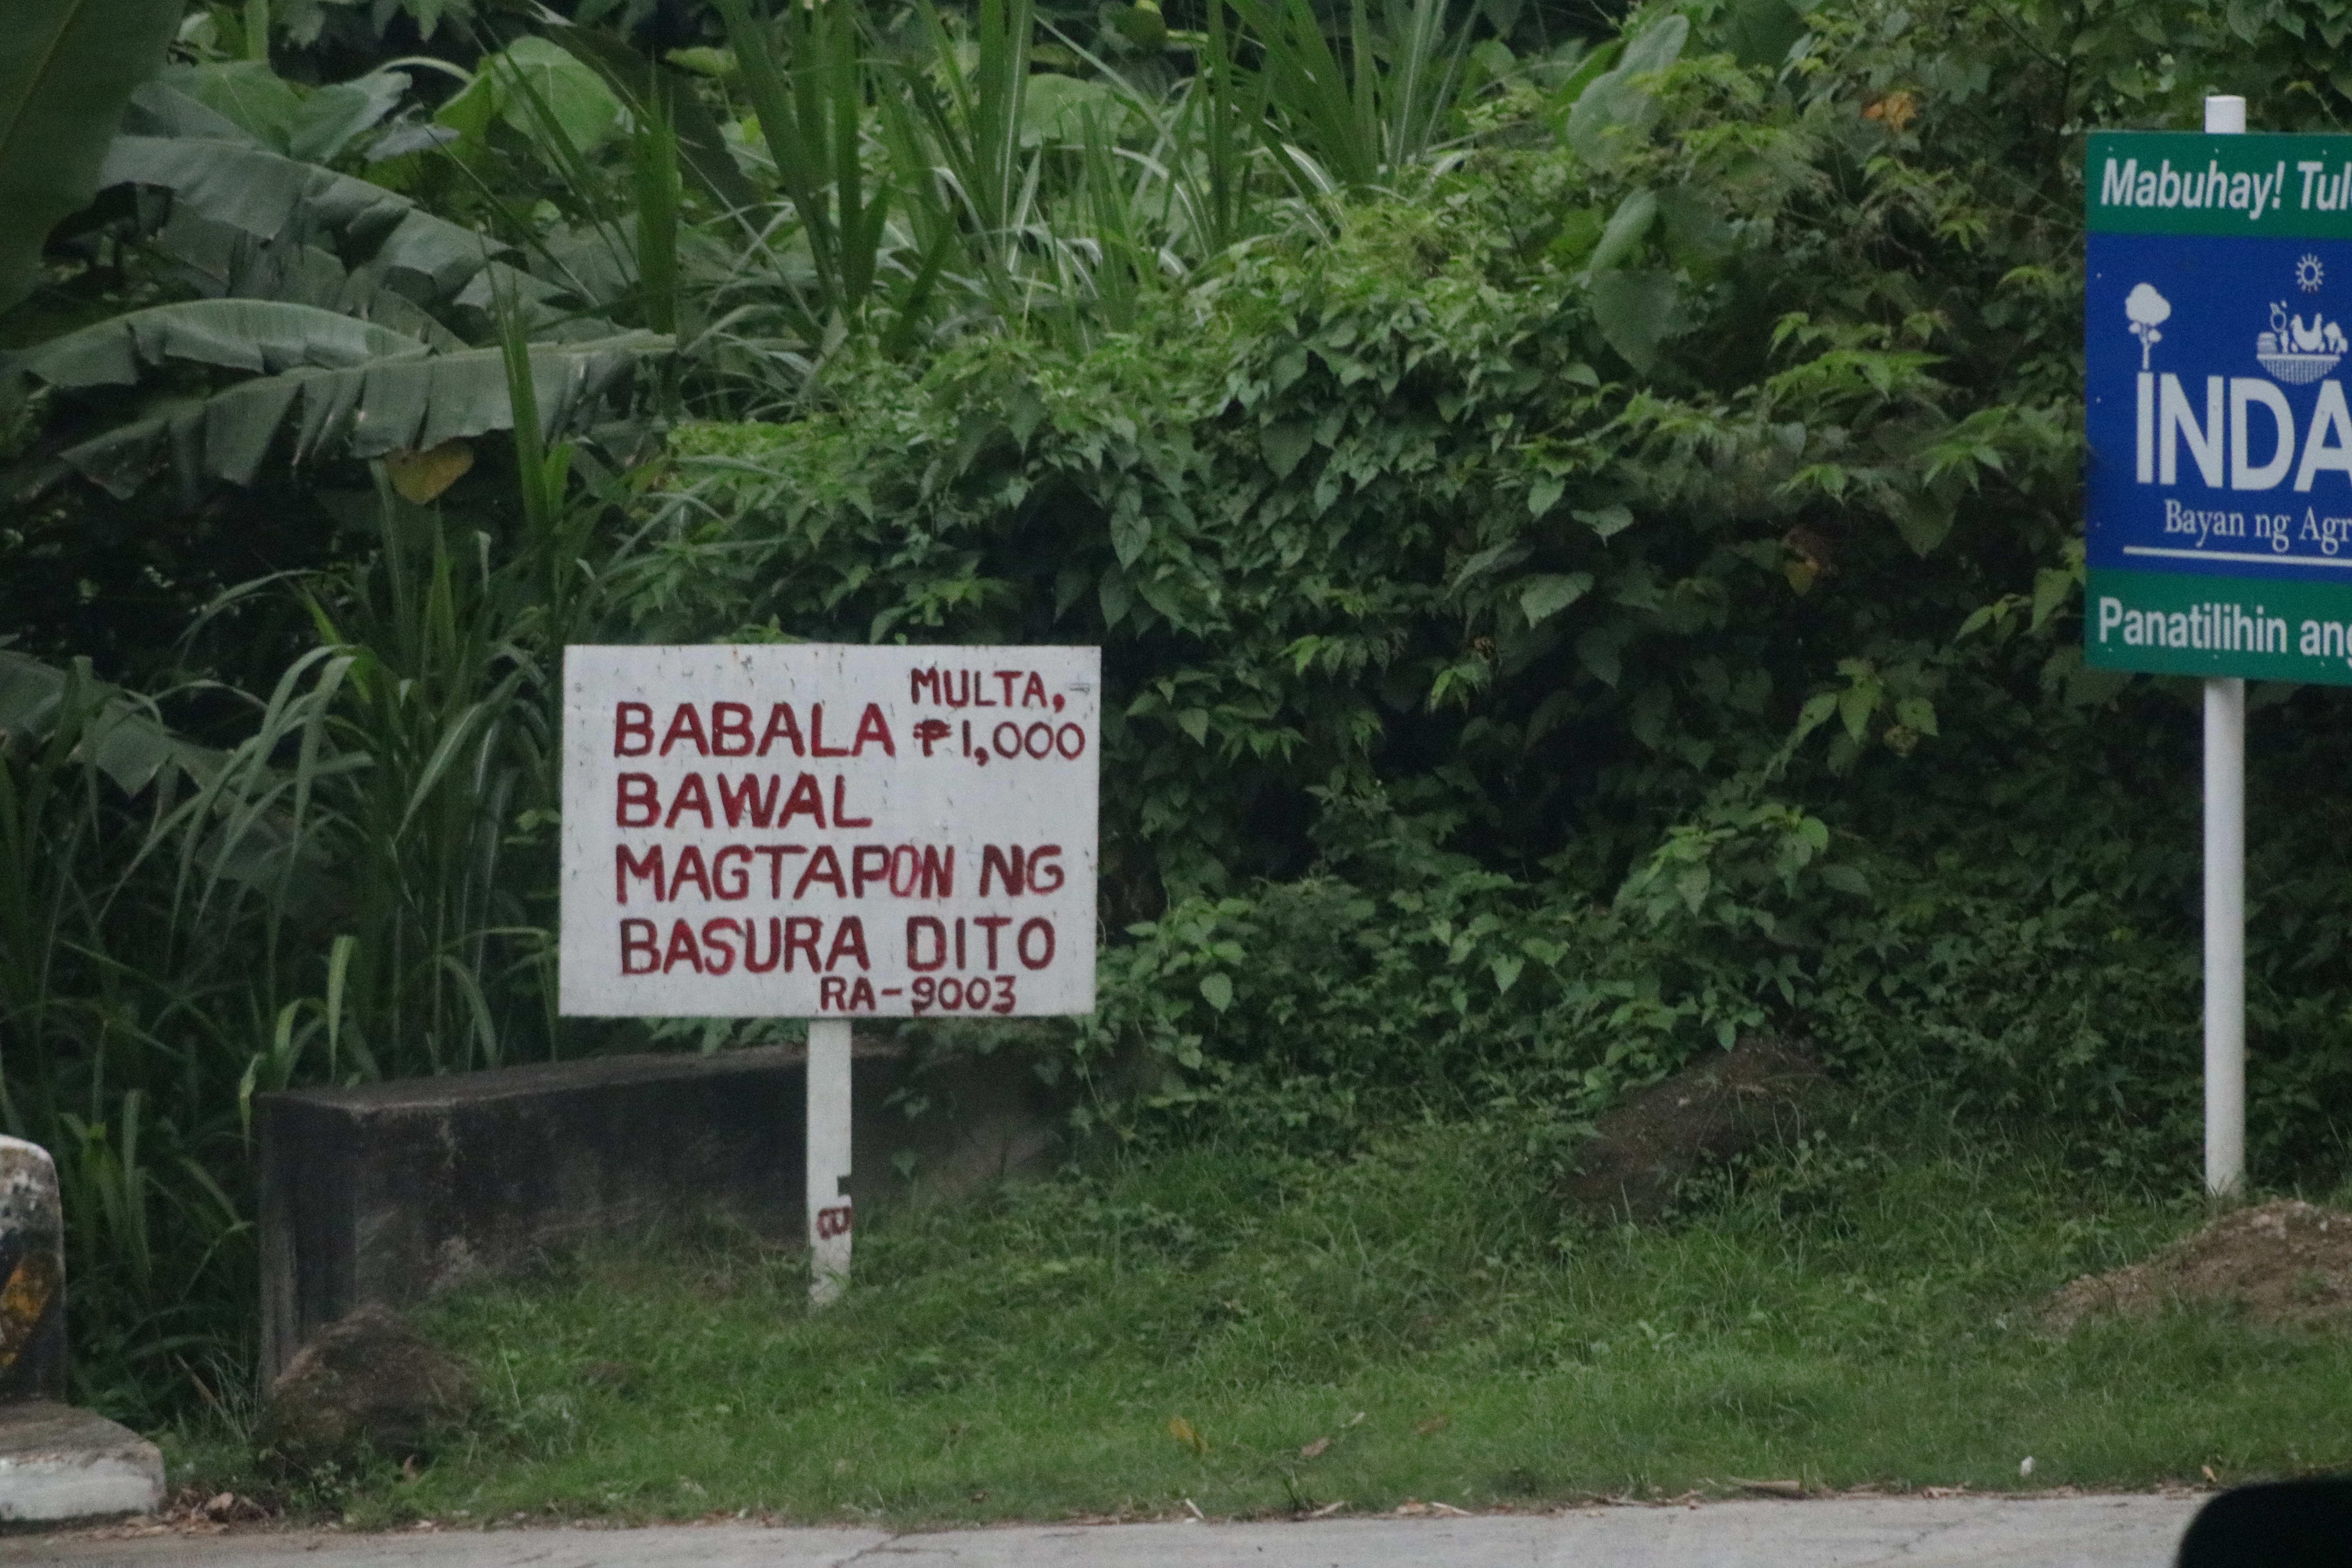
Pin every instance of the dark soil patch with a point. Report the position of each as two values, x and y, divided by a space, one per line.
1718 1107
2282 1265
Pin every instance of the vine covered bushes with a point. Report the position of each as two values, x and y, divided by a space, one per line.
1581 520
1630 575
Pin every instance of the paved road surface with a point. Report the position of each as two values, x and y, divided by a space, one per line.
1847 1532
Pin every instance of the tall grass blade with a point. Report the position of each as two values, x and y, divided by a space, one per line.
654 170
812 120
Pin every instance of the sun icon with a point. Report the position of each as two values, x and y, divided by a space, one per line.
2309 274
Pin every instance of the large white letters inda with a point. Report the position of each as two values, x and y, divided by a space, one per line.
2244 436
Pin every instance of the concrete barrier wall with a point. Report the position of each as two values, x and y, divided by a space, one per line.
392 1192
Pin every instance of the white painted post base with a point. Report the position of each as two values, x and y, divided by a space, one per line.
830 1217
2225 936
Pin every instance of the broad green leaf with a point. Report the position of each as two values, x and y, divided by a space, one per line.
1055 108
1655 47
67 67
1856 705
1924 519
1608 521
1285 445
1634 311
1615 110
1629 225
2051 588
405 401
572 94
1130 536
1846 879
1597 651
1494 558
266 335
263 335
1541 598
158 109
1692 229
333 117
1815 714
1217 990
246 93
701 144
1579 231
1114 596
1758 32
121 737
719 64
1544 494
1141 24
1917 712
264 195
471 112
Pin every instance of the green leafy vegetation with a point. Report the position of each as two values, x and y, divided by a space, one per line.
1581 520
62 83
1266 1336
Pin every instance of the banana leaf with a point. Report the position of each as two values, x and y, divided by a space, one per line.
219 262
122 738
159 109
270 197
267 335
404 399
65 73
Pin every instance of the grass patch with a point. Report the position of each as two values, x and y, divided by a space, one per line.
1415 1311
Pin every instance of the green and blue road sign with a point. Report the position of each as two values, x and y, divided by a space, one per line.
2218 319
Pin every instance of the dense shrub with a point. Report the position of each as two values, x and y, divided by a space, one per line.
1586 560
1663 520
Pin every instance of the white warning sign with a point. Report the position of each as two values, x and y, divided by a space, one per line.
824 830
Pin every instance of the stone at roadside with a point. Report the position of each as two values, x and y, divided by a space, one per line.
1723 1105
55 1463
58 1463
370 1383
32 1274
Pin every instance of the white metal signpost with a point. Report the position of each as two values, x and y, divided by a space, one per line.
829 832
2218 292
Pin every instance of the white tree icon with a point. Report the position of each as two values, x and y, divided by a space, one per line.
2147 310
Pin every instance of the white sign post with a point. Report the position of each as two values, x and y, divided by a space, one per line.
2194 280
2225 877
832 833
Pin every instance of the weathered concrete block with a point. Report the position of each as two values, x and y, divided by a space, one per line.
58 1463
32 1274
392 1192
